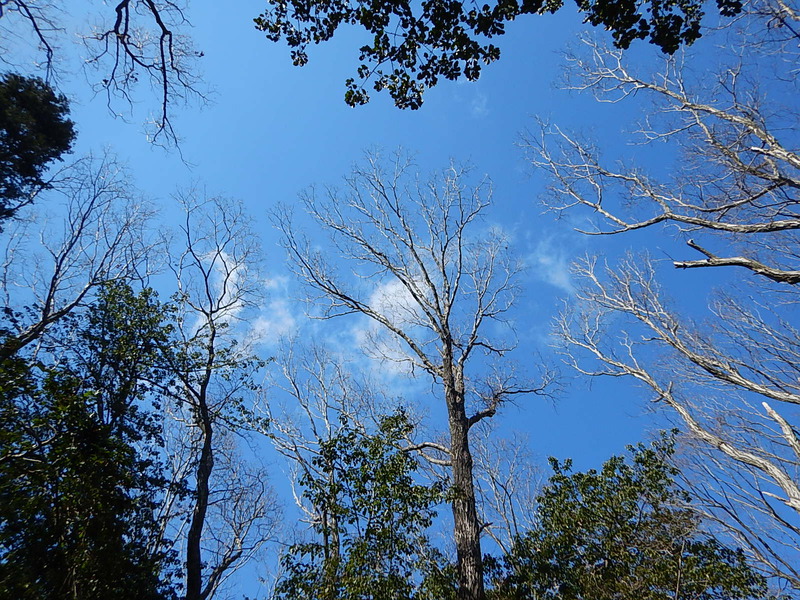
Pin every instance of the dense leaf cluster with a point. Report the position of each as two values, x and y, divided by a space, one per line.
625 532
413 45
372 517
34 131
80 470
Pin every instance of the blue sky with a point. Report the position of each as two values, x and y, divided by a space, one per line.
272 129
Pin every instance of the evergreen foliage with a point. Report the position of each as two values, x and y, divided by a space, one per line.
80 475
34 132
624 532
370 536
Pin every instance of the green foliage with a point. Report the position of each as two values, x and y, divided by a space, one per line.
119 353
620 533
421 43
79 471
34 131
440 581
370 535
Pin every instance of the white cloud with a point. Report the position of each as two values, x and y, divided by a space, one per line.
228 278
479 105
279 282
275 321
469 95
549 263
393 300
278 317
387 355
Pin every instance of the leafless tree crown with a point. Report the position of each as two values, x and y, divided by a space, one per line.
231 511
423 268
429 279
96 234
732 378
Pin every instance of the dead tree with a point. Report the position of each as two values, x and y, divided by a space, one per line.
436 284
732 377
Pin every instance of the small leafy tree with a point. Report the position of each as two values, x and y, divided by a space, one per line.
624 532
370 537
34 132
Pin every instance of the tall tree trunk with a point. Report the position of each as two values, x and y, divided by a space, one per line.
463 504
194 562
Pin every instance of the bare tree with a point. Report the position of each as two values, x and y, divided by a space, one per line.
137 41
437 283
321 391
52 264
732 378
232 512
508 482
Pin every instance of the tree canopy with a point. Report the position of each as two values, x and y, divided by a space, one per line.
373 514
415 45
80 473
135 436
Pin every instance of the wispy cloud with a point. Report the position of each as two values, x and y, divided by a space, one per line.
393 300
479 107
275 321
387 357
279 282
228 278
470 96
278 318
549 262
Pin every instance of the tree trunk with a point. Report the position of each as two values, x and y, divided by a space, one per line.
465 514
194 562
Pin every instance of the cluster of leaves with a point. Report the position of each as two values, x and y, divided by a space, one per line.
80 476
625 532
370 535
34 132
413 45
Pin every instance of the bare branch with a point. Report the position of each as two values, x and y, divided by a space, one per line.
778 275
215 262
142 40
732 197
102 238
